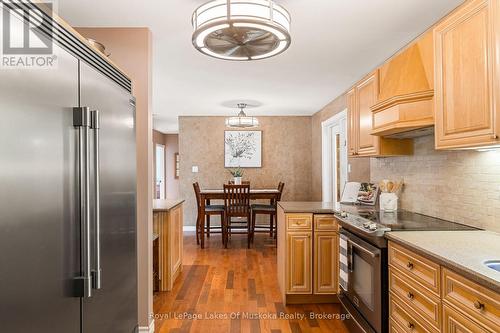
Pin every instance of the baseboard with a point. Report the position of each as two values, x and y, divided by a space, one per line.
189 228
150 329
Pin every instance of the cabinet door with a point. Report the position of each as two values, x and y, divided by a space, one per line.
367 92
326 258
299 268
456 322
465 76
176 240
352 122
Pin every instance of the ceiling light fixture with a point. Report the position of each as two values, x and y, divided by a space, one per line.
241 29
242 120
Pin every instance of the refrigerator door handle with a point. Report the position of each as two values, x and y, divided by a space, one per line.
96 271
81 120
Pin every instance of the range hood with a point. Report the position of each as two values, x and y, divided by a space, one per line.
406 92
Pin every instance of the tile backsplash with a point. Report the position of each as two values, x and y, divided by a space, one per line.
460 186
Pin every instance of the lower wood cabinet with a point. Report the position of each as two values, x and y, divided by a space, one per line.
167 224
299 268
326 250
453 305
308 257
456 322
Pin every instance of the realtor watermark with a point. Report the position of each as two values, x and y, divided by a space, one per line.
27 36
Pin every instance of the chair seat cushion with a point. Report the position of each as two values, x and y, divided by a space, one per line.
270 208
214 208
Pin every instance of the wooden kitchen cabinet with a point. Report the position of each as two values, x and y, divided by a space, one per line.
452 305
360 124
367 94
467 76
167 224
326 261
352 128
299 268
308 257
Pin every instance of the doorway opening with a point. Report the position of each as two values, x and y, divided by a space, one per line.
160 172
334 157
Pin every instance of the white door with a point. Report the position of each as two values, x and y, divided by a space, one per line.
334 157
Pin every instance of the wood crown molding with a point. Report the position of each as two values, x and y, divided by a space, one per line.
403 99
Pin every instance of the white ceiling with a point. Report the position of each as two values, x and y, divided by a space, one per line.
334 43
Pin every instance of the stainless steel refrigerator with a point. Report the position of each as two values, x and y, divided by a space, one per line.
67 195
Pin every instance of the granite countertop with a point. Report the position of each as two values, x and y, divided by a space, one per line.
318 207
166 205
461 251
307 207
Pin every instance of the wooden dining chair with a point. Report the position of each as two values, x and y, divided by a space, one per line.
204 221
271 210
237 205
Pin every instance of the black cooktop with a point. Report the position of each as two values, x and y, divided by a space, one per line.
404 220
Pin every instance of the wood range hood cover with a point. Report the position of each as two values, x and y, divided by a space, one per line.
406 91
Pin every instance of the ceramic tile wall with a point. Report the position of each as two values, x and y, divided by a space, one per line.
461 186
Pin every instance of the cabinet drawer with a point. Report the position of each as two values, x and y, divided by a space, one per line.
474 300
419 299
299 221
406 319
422 270
456 322
325 222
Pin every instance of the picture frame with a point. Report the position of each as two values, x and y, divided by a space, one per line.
243 149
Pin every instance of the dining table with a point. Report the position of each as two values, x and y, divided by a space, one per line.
218 194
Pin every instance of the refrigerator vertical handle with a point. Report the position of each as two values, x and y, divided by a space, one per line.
81 120
96 271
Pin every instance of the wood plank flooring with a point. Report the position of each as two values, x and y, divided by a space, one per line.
234 290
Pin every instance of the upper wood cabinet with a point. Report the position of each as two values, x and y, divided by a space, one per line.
361 142
406 90
367 94
467 76
352 122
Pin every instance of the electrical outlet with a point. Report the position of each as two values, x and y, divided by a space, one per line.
349 168
194 169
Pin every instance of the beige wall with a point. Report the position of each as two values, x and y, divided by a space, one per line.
461 186
173 184
130 49
171 143
360 167
286 156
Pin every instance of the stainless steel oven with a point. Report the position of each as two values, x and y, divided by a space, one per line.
364 294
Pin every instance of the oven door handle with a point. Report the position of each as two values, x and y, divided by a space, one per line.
365 250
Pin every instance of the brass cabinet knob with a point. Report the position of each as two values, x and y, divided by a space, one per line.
409 265
478 305
410 295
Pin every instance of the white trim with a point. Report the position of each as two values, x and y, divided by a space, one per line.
326 155
150 329
189 228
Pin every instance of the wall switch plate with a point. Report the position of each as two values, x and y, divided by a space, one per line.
194 169
349 168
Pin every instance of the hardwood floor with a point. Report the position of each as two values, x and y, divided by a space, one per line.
235 284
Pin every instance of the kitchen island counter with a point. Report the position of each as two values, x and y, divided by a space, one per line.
462 251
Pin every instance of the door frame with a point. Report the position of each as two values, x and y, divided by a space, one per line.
326 156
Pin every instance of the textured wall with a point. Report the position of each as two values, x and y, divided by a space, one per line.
360 167
461 186
286 156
